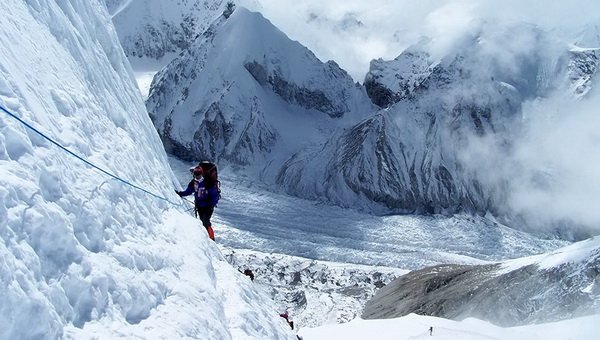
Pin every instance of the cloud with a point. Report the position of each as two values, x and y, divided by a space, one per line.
388 27
557 160
448 24
549 175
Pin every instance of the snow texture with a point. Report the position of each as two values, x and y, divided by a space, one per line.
84 255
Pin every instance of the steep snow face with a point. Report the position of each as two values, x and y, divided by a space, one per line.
426 152
64 72
155 28
245 93
556 286
84 255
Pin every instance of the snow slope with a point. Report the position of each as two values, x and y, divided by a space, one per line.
85 255
413 327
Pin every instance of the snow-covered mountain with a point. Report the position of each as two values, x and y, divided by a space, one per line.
405 158
157 28
84 254
247 94
551 287
443 142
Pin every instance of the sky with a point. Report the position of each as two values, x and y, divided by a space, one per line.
353 32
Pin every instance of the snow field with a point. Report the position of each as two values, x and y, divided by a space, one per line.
413 326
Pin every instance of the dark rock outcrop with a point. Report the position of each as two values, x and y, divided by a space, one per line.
532 293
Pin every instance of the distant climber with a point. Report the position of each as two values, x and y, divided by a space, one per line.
286 317
206 195
431 331
249 273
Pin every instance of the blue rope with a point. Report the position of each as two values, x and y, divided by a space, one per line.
82 159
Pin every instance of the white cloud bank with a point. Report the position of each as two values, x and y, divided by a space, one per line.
558 178
353 32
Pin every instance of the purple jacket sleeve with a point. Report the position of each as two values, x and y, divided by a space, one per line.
189 190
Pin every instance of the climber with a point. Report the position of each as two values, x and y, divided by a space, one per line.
249 273
285 315
205 198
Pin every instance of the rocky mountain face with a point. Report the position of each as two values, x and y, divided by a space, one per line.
155 28
246 94
425 151
389 82
582 68
557 286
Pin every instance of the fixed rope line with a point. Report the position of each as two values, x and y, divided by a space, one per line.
82 159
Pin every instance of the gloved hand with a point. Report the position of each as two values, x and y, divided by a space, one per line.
178 193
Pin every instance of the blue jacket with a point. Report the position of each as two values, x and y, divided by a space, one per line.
202 196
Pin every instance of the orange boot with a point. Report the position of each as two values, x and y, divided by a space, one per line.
211 233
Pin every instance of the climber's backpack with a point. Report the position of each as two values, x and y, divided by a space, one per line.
211 175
